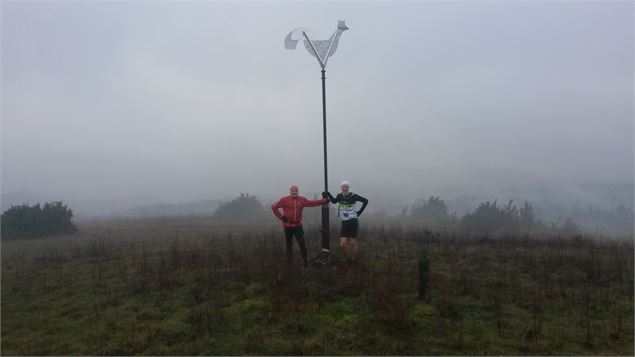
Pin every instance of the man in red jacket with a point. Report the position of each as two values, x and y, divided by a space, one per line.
291 218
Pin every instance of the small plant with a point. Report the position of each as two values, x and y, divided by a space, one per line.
423 276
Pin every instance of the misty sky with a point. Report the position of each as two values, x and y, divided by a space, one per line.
107 105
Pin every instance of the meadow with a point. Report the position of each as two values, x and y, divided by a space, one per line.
200 286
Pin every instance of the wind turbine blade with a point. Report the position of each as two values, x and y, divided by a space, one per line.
332 47
313 51
289 42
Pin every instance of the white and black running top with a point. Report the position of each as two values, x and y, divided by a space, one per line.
347 210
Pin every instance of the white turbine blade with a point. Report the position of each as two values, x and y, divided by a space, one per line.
341 27
289 42
335 38
308 44
333 49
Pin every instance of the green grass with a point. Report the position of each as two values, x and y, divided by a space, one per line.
193 288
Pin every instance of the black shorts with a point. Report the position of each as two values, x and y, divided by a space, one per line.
349 228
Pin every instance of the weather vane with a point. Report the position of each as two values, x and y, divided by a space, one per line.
321 50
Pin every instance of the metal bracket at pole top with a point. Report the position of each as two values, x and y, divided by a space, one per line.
314 51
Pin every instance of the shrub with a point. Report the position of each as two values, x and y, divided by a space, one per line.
569 227
432 213
490 217
423 276
25 221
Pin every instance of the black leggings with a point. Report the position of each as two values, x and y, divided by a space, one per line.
298 232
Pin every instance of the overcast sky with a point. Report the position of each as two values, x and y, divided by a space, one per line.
110 104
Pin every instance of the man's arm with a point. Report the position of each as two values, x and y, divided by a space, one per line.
364 203
275 207
314 203
331 198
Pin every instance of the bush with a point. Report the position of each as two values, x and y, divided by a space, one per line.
432 213
490 217
25 221
569 227
423 276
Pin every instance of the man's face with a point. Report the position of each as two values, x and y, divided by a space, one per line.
294 191
345 188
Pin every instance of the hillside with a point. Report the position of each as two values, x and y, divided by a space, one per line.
198 286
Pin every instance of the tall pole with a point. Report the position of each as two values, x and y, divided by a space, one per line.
325 206
326 49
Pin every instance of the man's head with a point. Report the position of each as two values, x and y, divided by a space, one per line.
294 190
345 186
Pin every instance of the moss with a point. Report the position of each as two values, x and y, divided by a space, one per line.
259 304
254 289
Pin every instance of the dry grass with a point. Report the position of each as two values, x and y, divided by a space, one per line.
195 286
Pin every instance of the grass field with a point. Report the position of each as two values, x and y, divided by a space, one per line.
193 286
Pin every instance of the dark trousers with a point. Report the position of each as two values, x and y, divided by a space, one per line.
298 232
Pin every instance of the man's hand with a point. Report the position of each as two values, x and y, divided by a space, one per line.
325 194
284 219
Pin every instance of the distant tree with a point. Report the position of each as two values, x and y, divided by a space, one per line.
454 220
490 217
596 219
624 220
569 227
404 213
32 221
244 206
431 213
424 269
527 217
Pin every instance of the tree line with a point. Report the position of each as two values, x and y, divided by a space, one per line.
491 216
25 221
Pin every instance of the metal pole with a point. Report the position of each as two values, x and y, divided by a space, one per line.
325 207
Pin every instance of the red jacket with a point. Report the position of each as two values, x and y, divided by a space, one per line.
292 208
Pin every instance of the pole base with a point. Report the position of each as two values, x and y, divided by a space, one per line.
323 259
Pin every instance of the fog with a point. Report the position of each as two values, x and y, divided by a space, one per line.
108 106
